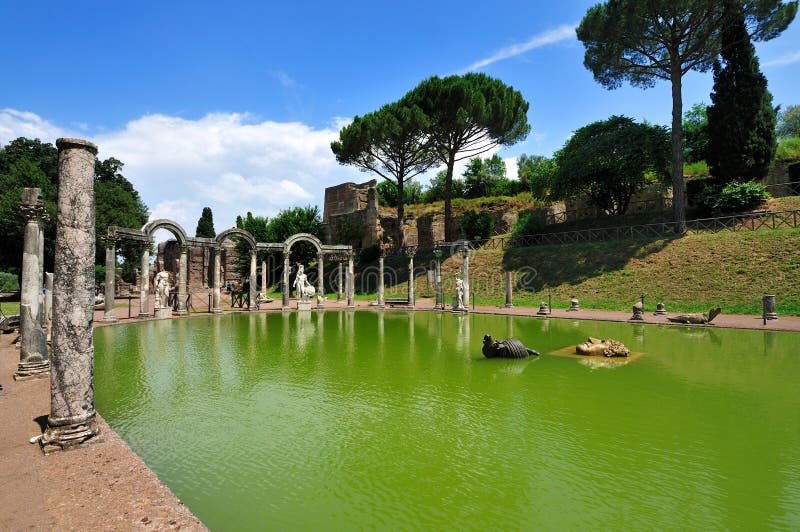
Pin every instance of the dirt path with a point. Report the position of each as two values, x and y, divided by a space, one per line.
106 486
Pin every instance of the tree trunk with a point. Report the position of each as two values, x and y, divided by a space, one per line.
448 193
678 202
400 214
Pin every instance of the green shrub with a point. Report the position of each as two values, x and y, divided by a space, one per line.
733 197
477 225
369 254
527 224
99 274
788 149
696 169
8 282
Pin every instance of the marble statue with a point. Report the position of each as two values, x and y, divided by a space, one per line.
696 319
606 347
162 289
508 348
460 292
302 286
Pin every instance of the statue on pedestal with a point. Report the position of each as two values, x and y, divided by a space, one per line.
302 286
162 289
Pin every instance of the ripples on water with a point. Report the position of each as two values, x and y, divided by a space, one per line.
395 420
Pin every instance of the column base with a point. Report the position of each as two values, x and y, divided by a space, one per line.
771 315
144 315
216 311
252 309
509 305
69 436
181 312
110 319
163 313
32 370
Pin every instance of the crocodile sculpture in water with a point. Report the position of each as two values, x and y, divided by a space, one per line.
696 319
509 348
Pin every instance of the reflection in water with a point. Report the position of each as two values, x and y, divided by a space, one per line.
286 432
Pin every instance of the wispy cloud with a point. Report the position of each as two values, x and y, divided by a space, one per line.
283 78
561 33
787 59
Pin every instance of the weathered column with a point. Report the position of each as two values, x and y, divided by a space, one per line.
410 254
111 262
144 283
438 304
285 287
351 289
253 288
465 273
48 304
320 281
509 297
339 293
33 361
183 278
72 415
264 277
40 251
215 295
381 303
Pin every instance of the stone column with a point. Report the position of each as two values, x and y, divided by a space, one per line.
144 284
215 295
381 303
285 287
183 278
72 415
264 277
253 288
351 289
465 274
339 293
40 252
48 304
410 254
320 280
111 262
438 304
33 361
509 297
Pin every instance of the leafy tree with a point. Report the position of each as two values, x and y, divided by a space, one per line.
536 174
486 177
469 115
741 120
695 134
789 122
205 225
436 188
391 142
643 42
609 161
477 225
388 193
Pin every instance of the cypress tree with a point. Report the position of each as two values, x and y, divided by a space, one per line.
741 119
205 225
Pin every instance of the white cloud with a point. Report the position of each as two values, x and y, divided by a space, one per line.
553 36
511 167
227 161
784 60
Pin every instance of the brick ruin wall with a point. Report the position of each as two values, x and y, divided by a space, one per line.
201 263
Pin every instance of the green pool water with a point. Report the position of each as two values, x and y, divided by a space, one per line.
365 420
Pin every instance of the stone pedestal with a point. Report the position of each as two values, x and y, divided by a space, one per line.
769 307
72 415
574 305
638 312
661 310
163 313
304 305
544 309
33 362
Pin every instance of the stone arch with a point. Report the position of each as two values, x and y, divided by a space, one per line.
163 223
306 237
235 231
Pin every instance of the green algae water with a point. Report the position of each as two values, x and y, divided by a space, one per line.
394 420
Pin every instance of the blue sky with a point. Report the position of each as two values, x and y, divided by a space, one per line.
233 106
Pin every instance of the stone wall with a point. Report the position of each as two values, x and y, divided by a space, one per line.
201 263
778 179
346 198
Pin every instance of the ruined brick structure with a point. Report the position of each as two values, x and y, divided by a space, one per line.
201 263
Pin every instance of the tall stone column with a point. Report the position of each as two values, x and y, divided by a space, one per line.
264 277
381 302
72 415
144 283
339 292
111 262
285 283
410 254
351 289
40 252
215 295
465 273
183 278
253 288
438 304
509 297
320 281
33 361
48 304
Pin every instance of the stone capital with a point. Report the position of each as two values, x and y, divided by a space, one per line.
65 143
32 205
